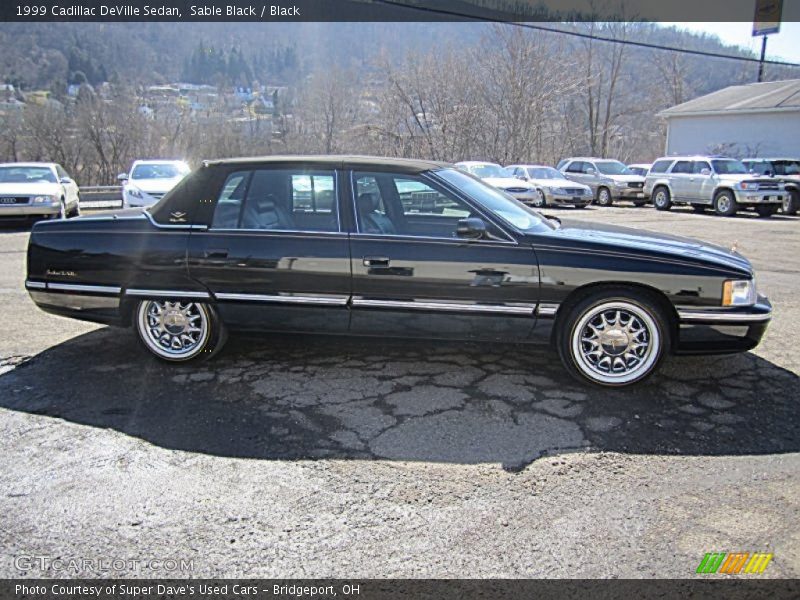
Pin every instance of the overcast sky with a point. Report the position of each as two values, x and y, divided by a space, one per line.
784 45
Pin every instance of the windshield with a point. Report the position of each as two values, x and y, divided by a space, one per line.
497 202
729 167
486 170
786 167
159 171
545 173
612 167
27 175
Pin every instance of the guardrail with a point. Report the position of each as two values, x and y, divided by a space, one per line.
101 196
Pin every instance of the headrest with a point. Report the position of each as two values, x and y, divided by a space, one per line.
367 202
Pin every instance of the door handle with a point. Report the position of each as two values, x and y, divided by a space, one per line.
375 261
216 253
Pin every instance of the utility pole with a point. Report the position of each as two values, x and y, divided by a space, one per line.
763 56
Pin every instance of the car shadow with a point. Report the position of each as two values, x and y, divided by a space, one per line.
305 397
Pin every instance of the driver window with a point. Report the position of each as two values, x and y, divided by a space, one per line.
699 165
395 204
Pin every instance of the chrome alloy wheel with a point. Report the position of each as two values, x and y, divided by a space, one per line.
616 343
724 203
173 330
540 200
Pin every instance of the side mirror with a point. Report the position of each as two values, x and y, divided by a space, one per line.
471 228
705 172
122 177
65 181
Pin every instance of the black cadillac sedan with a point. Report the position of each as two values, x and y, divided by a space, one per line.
390 247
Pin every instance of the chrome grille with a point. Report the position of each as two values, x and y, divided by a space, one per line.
768 185
636 184
517 190
574 191
6 200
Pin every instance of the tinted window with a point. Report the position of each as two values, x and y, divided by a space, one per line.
27 175
277 199
660 166
575 167
612 167
682 166
729 167
699 165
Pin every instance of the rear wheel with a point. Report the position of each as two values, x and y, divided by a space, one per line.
179 331
766 210
725 204
604 197
613 338
662 199
791 202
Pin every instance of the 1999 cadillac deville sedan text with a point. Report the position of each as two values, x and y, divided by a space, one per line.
390 247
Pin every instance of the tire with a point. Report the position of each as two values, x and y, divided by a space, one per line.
725 203
662 199
61 214
604 197
539 201
168 341
76 212
766 211
591 336
699 208
791 203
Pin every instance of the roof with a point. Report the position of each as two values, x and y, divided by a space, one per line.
592 158
334 161
768 96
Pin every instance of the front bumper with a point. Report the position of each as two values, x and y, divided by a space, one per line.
633 194
29 210
722 330
554 198
767 197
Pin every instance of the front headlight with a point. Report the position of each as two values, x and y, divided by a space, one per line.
44 199
739 292
621 184
748 185
558 190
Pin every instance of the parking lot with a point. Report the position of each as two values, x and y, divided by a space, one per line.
317 457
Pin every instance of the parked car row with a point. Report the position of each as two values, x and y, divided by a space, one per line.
724 184
46 190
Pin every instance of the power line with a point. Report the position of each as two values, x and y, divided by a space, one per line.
590 36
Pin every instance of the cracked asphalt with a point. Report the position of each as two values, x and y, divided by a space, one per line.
302 456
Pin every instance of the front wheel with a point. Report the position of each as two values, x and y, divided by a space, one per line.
179 331
662 199
725 204
613 339
539 200
791 202
604 197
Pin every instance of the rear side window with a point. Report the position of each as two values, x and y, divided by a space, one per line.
660 166
682 166
575 166
277 199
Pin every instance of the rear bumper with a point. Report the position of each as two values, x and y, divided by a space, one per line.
722 330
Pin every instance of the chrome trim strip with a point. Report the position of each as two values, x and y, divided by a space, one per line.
547 309
445 306
162 293
35 285
717 316
74 287
319 300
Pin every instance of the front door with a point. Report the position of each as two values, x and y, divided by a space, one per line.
413 276
274 255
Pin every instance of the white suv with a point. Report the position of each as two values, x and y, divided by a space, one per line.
709 181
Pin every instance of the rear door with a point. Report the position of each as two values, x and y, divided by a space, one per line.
680 180
274 255
413 276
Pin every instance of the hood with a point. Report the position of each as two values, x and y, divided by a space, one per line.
625 178
507 182
551 183
158 186
626 238
30 189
